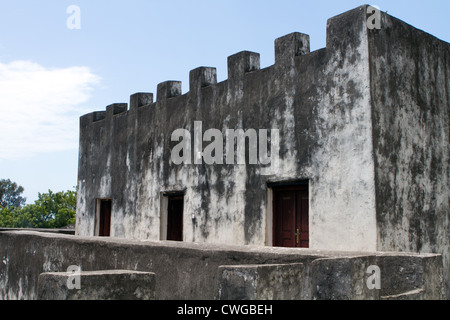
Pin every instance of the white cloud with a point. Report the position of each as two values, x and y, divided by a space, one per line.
40 107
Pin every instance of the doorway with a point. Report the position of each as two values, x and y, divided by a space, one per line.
175 218
104 207
291 216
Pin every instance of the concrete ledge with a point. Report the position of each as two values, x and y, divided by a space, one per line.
61 231
97 285
342 279
261 282
197 271
401 277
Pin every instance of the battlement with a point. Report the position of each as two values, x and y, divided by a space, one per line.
287 48
341 30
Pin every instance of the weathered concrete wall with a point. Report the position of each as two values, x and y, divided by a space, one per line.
96 285
342 197
319 101
191 270
410 89
403 277
261 282
25 255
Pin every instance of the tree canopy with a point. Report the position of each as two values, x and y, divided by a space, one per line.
50 210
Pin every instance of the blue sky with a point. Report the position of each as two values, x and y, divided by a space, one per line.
50 75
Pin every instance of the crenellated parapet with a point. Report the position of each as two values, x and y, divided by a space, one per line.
287 48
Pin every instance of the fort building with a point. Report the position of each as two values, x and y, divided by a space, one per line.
345 148
363 148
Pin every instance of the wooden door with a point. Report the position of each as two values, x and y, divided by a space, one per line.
291 217
105 218
175 218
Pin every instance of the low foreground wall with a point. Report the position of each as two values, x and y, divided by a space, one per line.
97 285
34 265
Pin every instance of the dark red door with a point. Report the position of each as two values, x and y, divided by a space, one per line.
175 218
105 218
290 217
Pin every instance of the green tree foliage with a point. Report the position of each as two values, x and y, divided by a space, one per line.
7 217
10 194
54 210
50 210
